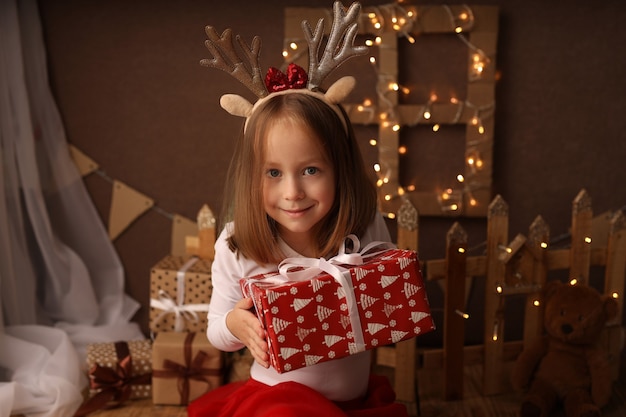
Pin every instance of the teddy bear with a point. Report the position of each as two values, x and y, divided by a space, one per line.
566 367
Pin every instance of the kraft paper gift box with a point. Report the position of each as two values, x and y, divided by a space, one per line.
118 371
180 290
185 366
315 319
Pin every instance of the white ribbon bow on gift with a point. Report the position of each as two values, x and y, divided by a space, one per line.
181 311
308 268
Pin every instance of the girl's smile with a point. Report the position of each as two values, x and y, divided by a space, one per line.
298 183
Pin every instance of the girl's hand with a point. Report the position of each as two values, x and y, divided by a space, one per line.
245 326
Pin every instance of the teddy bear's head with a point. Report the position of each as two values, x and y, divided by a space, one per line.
576 314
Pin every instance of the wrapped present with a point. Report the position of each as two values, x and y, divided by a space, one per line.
185 366
180 291
118 372
323 310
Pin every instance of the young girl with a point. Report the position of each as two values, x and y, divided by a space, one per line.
299 187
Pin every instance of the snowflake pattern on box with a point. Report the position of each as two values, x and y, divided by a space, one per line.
308 322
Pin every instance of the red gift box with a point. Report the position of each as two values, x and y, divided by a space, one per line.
312 316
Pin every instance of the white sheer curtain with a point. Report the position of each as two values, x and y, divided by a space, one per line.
61 282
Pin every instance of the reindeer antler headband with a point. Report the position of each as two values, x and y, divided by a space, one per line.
339 48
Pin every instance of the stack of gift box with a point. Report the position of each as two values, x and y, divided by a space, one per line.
178 364
313 310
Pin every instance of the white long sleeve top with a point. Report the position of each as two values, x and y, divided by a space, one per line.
339 380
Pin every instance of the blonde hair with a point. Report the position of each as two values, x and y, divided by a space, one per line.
254 234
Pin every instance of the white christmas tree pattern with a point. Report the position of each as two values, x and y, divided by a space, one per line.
387 280
279 324
288 352
300 303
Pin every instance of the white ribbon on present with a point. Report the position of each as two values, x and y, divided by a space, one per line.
181 311
308 268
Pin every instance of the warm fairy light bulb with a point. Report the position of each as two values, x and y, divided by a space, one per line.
367 102
293 45
454 207
400 191
454 100
285 54
386 180
387 197
543 245
433 97
587 239
377 167
470 160
462 314
377 25
360 107
427 115
411 187
460 178
395 127
481 129
458 29
385 124
479 163
391 215
402 150
394 86
406 90
383 116
436 127
371 15
369 42
461 250
615 295
573 281
536 303
372 60
373 142
499 289
474 120
463 16
379 183
473 202
378 40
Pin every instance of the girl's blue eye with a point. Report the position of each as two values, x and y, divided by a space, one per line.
273 173
310 171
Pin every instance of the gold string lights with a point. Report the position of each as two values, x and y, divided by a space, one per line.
382 26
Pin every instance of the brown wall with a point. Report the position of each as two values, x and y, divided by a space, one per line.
134 98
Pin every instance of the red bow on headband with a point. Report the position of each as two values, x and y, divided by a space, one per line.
276 81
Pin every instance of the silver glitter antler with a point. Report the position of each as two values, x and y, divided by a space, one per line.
226 58
340 46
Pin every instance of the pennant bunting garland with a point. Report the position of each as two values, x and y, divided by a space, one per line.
127 205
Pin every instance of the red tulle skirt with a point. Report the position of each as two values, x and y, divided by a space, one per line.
254 399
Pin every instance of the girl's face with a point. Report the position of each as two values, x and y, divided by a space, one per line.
298 183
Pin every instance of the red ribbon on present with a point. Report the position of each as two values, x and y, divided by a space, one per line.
191 370
114 384
276 80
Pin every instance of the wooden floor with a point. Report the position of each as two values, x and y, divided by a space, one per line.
474 404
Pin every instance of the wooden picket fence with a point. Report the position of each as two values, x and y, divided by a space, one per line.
510 267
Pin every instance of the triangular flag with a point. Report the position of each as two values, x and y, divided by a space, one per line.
85 164
126 206
181 228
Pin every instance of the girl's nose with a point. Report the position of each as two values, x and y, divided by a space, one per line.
293 189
